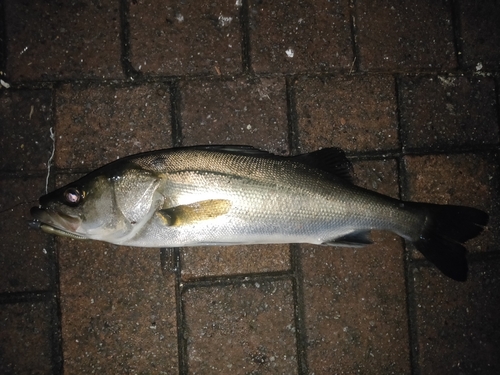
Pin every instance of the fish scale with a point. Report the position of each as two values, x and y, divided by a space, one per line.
305 203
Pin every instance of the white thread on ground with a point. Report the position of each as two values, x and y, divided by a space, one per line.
52 136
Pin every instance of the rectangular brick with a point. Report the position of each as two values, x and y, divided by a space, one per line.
117 308
300 36
97 124
58 40
230 260
355 308
25 259
356 114
178 38
25 339
235 112
442 112
457 323
245 328
26 118
395 35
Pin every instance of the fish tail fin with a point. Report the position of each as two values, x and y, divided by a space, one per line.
445 231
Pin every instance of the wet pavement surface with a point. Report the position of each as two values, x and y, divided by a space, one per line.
410 91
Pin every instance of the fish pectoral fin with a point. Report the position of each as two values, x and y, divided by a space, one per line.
194 212
354 239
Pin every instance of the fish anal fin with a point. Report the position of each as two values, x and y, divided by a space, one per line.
353 239
194 212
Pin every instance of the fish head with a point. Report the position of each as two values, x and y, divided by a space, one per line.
104 205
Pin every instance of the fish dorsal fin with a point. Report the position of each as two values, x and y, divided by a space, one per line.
332 160
194 212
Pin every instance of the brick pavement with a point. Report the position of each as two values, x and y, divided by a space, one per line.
410 91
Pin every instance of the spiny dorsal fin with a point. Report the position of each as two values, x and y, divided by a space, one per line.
194 212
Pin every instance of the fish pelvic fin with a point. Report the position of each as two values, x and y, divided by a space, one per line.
194 212
445 231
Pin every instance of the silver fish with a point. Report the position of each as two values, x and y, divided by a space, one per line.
227 195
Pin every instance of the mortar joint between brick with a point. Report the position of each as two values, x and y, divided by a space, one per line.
237 279
411 308
182 357
34 296
3 38
175 113
56 333
457 33
127 66
52 134
401 130
497 102
168 261
299 309
408 266
245 37
354 37
55 300
451 150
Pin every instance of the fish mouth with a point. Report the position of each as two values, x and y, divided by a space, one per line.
54 222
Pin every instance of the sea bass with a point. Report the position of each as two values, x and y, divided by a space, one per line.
227 195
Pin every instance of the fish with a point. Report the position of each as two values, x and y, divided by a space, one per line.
235 195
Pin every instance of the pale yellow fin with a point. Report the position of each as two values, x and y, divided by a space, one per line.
194 212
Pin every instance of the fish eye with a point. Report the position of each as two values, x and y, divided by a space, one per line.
72 196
